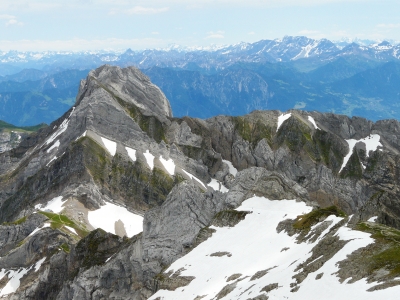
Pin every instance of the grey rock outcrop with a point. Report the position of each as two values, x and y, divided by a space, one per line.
131 85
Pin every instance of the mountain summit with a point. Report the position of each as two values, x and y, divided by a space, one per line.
118 200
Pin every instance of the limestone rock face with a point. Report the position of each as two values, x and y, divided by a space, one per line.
120 145
171 229
129 84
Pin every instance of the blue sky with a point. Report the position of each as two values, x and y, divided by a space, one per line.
39 25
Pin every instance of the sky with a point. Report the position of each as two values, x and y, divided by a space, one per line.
77 25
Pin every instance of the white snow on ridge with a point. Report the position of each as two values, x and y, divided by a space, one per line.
312 121
254 245
371 142
372 219
169 165
305 52
106 216
131 153
149 159
232 169
110 145
282 118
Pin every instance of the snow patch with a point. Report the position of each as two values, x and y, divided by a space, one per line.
59 131
169 165
15 277
110 145
51 160
71 229
373 219
371 142
131 153
232 169
149 159
217 186
39 228
55 145
55 205
312 121
282 118
83 134
195 178
106 216
39 264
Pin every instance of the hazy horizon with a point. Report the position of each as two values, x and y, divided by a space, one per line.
90 25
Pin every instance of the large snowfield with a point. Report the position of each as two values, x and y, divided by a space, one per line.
254 245
106 216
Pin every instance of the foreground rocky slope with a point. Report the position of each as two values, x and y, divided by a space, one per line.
107 202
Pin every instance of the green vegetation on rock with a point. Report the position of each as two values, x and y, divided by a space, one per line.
253 132
229 218
97 247
17 222
65 247
4 126
96 158
296 135
130 180
58 221
353 167
327 149
319 146
305 222
149 124
385 254
373 161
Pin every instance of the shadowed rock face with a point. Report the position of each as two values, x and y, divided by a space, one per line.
294 161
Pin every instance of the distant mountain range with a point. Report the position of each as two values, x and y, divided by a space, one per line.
213 58
293 72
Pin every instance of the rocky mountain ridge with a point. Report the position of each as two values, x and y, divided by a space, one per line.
159 187
288 48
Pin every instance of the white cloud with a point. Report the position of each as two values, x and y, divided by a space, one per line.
388 26
111 5
7 17
306 32
10 20
140 10
315 34
155 32
251 33
215 35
